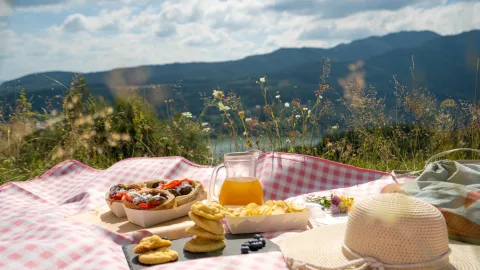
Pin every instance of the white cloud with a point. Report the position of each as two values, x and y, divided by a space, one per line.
106 21
75 23
198 30
5 9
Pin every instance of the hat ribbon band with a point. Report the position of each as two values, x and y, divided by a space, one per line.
373 263
366 262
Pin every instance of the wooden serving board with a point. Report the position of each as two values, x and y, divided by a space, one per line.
234 243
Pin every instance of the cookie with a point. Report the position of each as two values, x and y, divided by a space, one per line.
212 211
202 245
196 230
152 242
213 226
158 256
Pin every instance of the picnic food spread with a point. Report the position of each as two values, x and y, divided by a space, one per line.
206 238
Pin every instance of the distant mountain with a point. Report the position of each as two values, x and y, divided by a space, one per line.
444 64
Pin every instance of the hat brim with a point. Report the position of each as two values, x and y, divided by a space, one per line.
322 247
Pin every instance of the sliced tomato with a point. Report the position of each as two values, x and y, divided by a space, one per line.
143 205
128 198
175 183
154 203
119 196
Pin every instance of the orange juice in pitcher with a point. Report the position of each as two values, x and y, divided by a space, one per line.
241 191
241 186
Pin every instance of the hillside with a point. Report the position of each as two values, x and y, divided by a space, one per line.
444 64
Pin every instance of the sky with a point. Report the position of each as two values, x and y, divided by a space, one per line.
97 35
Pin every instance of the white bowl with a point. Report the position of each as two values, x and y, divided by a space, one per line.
254 224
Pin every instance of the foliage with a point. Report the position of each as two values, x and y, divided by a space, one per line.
351 126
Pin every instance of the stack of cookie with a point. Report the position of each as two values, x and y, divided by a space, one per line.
155 250
209 231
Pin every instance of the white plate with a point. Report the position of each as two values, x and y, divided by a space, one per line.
253 224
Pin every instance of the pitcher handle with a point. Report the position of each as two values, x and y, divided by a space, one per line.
213 180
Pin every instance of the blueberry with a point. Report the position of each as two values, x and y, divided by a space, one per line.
257 236
253 247
252 241
165 238
247 245
262 240
259 245
244 249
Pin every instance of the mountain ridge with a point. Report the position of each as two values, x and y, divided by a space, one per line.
438 61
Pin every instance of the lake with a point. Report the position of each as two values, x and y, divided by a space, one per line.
222 146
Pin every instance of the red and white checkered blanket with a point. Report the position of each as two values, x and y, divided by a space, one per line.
34 232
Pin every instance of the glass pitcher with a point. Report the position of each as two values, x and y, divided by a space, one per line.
241 185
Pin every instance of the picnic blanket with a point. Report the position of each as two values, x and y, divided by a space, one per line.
454 188
34 233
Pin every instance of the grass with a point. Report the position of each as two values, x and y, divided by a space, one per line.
355 126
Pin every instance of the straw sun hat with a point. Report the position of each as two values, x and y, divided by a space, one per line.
386 231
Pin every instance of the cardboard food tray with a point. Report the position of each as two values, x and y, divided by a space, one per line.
147 218
234 243
284 222
117 208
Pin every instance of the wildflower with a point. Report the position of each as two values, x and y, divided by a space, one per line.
287 104
222 107
116 136
109 110
245 133
277 96
320 96
126 137
335 200
206 129
309 112
305 108
335 209
204 124
218 94
248 119
258 106
329 144
297 116
187 114
262 80
288 141
208 147
335 127
241 114
343 207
